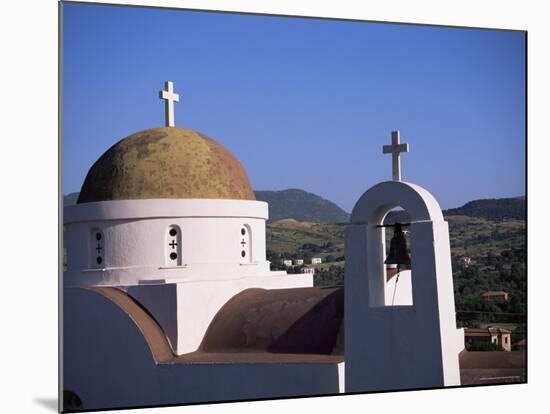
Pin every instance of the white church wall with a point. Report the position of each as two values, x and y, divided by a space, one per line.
161 301
394 344
137 245
452 339
144 242
185 310
398 290
176 207
104 343
376 251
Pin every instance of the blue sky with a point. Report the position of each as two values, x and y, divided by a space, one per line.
303 103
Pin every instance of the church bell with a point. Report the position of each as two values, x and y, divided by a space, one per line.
399 253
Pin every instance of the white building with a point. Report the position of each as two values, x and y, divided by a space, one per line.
298 262
500 337
316 260
168 297
201 238
309 270
287 263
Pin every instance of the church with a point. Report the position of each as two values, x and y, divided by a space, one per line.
168 297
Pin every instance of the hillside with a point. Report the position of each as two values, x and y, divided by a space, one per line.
291 239
295 204
492 208
480 239
302 206
489 209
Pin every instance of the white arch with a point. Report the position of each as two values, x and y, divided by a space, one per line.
379 199
370 210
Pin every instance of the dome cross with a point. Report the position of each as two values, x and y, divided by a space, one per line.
170 97
395 149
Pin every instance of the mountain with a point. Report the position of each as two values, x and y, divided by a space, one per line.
294 204
70 199
492 208
302 206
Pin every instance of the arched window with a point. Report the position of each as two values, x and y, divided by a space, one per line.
97 249
245 244
397 267
173 246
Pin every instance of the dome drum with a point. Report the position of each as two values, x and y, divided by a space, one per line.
161 240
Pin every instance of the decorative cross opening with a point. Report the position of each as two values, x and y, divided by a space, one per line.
170 97
395 149
96 259
246 244
174 241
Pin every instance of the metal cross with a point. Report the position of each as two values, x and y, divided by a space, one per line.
173 244
99 248
243 242
395 149
170 97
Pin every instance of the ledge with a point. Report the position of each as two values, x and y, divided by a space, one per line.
164 208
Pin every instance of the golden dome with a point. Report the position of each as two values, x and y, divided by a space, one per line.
166 163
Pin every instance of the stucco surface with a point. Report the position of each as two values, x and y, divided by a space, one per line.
166 163
292 321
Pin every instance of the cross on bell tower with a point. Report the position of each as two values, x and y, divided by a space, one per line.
395 149
170 97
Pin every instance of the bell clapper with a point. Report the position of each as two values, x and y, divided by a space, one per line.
395 286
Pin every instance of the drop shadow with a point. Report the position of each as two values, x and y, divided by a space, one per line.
49 403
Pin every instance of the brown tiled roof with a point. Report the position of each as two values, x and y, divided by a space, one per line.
495 293
499 330
476 332
485 331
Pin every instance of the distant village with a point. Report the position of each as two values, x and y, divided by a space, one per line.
287 263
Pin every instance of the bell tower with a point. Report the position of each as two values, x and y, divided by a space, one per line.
411 344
